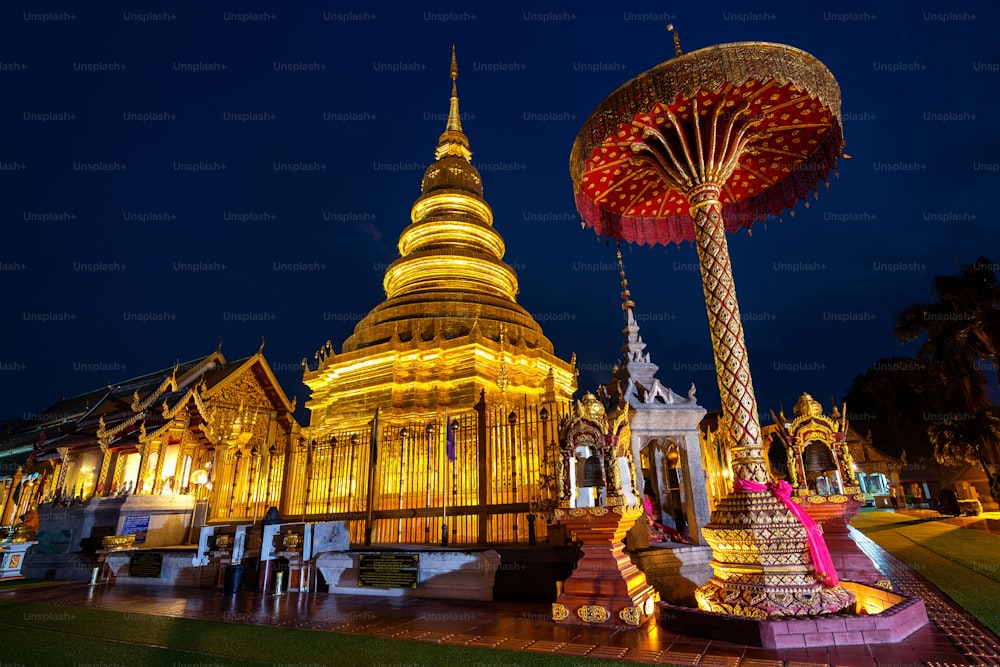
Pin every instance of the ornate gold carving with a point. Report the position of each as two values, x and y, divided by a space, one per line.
631 615
627 510
242 388
598 511
577 511
593 613
559 612
117 542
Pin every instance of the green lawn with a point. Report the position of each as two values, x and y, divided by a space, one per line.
962 562
53 635
24 583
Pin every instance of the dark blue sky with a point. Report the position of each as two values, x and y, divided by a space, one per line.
127 245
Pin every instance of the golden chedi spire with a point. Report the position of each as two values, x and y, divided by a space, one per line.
449 290
453 143
451 258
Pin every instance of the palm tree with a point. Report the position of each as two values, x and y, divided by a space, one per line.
962 330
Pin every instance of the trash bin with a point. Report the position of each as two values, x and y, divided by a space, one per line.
232 578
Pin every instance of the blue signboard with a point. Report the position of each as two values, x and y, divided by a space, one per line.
138 525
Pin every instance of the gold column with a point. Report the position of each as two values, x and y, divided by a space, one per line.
9 496
162 451
103 475
119 470
178 468
64 461
144 454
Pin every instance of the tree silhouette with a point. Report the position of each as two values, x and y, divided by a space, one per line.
962 330
892 400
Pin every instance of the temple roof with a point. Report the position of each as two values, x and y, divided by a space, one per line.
122 413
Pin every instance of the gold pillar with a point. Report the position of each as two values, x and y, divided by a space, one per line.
144 453
64 461
119 469
162 451
103 475
9 497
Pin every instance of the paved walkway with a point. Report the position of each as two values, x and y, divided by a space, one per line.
952 638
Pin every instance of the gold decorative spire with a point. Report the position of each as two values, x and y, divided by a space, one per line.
454 119
627 303
453 142
677 39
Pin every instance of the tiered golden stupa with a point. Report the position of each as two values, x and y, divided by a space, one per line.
450 326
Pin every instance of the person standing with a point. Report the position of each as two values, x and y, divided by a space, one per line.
893 497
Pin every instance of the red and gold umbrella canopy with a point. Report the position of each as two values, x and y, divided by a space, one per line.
760 120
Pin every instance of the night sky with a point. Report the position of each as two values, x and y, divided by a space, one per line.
179 172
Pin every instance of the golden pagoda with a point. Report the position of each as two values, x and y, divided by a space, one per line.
432 423
450 326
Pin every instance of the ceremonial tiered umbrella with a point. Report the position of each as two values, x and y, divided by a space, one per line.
704 143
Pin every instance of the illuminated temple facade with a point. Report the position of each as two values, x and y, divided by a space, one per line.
209 429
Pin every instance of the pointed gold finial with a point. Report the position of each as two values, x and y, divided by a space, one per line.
677 39
627 303
454 118
453 143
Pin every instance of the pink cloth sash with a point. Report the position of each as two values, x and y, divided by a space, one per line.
822 562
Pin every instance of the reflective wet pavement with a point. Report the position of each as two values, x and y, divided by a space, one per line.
952 638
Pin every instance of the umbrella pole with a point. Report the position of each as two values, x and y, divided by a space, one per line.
732 367
760 554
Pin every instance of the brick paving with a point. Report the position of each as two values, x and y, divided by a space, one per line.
952 638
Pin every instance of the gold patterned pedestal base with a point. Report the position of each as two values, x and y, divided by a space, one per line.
762 564
834 513
606 588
